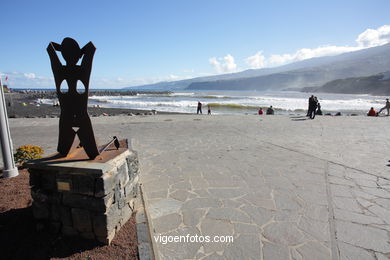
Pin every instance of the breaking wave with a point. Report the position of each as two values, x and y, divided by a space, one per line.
237 102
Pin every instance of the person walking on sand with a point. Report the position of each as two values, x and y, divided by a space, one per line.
199 110
387 106
208 109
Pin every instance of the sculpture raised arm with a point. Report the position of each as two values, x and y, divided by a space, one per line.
87 53
55 62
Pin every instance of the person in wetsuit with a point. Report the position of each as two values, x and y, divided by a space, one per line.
73 103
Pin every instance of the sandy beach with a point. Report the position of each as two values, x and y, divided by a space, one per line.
282 186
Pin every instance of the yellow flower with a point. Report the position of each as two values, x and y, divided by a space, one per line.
27 152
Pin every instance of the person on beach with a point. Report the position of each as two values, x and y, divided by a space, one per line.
309 102
387 106
260 111
312 107
208 109
371 112
199 110
319 111
270 111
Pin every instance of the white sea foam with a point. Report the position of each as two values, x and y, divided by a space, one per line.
45 101
145 104
178 94
230 102
112 97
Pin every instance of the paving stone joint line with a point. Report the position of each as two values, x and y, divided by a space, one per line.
332 228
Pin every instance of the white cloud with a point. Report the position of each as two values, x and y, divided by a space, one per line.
224 65
368 38
306 53
372 37
256 61
29 75
27 80
173 77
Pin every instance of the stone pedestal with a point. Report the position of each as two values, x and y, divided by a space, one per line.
92 199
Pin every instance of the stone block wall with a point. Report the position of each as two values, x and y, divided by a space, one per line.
90 199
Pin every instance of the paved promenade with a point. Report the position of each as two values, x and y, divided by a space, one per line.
283 187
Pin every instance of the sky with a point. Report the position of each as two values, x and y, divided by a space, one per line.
141 42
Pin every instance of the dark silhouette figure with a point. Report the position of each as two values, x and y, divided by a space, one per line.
73 102
387 107
199 110
270 111
308 109
319 111
372 112
208 109
312 107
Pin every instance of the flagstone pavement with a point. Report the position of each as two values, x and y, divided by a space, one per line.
282 187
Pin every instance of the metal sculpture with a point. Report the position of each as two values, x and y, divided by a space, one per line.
73 102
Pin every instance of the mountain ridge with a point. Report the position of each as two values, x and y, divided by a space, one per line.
378 84
310 73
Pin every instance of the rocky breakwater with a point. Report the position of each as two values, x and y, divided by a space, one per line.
31 94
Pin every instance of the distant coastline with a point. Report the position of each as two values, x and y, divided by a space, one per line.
23 104
51 92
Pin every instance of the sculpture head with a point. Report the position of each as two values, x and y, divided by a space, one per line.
71 51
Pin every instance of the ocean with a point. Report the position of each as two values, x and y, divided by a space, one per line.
240 102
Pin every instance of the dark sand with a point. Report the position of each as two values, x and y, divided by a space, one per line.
24 105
